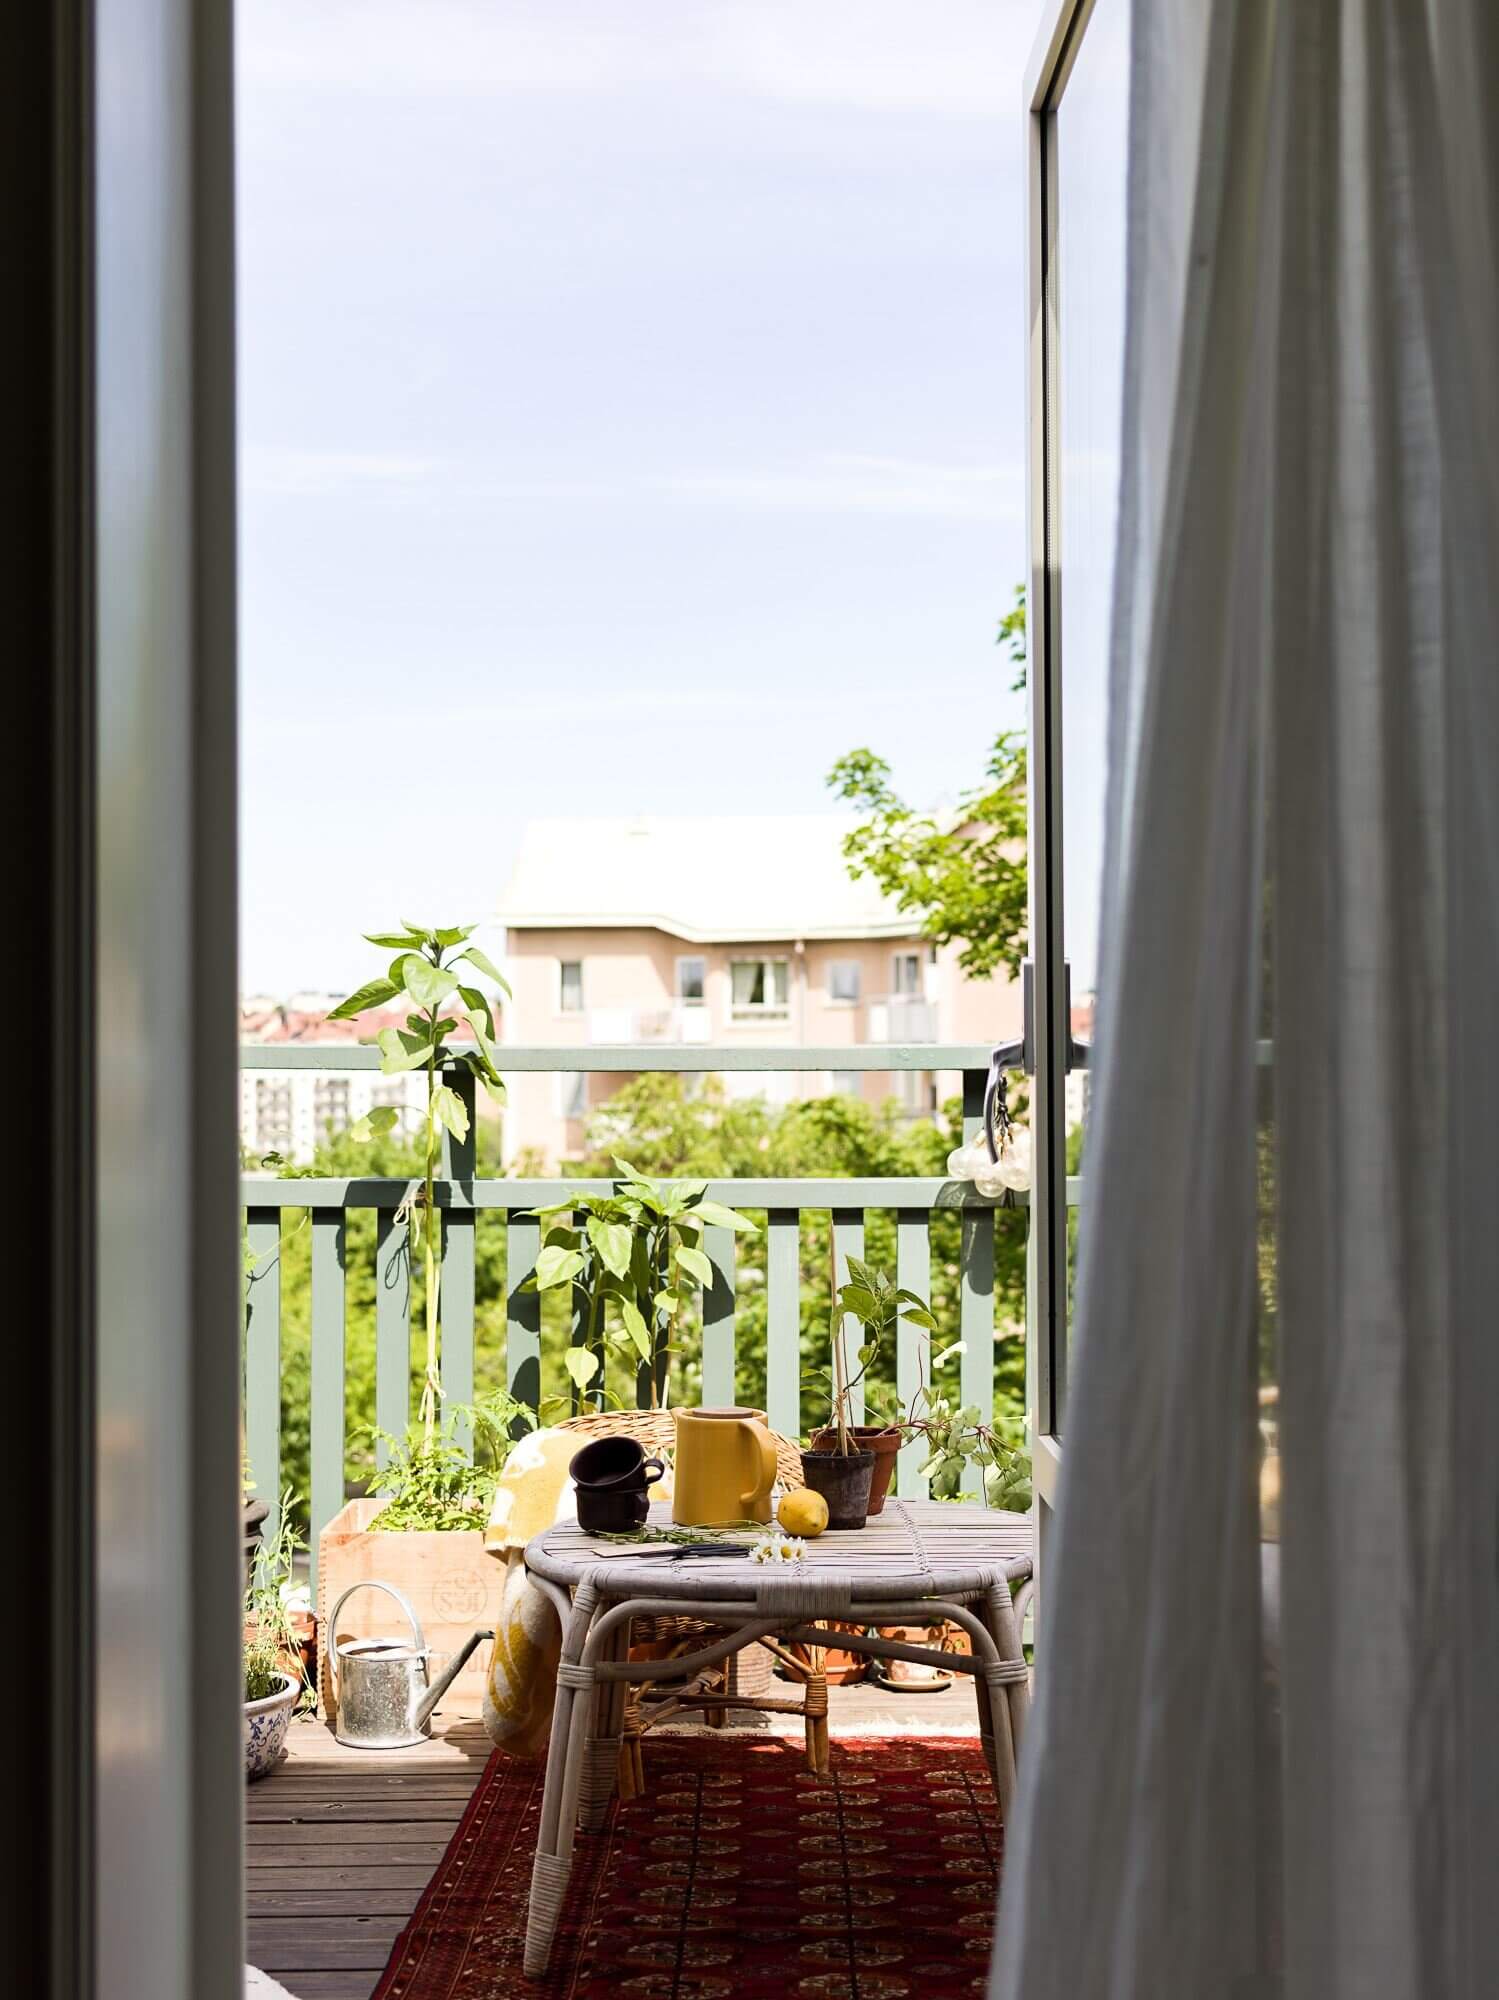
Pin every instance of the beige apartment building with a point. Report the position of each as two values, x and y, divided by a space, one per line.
720 931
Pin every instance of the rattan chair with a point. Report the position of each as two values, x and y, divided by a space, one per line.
744 1680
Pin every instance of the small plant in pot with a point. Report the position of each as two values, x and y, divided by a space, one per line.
879 1306
840 1464
275 1673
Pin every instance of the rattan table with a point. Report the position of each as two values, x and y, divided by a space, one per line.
921 1562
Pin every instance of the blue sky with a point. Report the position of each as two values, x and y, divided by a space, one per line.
631 420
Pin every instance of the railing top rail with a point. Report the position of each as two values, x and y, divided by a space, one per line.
601 1058
898 1192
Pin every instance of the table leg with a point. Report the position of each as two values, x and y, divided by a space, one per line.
601 1761
549 1871
995 1687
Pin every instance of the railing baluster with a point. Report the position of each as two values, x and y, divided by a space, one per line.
522 1311
591 1398
327 1373
848 1241
913 1348
456 1296
718 1318
392 1331
976 1285
976 1321
263 1360
783 1328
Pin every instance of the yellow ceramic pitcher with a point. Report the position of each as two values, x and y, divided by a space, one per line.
725 1468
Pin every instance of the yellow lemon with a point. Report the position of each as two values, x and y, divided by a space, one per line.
802 1512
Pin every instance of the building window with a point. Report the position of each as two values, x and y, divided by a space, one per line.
844 979
272 1116
572 1093
905 975
848 1082
570 985
330 1106
692 981
760 987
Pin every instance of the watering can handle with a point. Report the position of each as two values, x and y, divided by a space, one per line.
370 1583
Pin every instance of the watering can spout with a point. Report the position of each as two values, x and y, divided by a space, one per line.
450 1673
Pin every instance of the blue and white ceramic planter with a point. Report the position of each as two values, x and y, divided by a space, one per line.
266 1723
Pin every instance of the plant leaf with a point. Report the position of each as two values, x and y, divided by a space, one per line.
486 965
695 1264
375 994
455 934
556 1265
393 940
429 985
401 1052
636 1328
450 1110
720 1217
612 1241
582 1364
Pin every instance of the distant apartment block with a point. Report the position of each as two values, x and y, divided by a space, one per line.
292 1111
746 930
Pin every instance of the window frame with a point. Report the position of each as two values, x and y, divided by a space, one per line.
856 967
687 999
761 1010
562 1006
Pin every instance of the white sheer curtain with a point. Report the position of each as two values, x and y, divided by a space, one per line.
1304 780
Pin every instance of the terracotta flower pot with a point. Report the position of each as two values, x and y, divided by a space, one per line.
884 1442
843 1481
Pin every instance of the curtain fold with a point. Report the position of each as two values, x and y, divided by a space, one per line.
1304 775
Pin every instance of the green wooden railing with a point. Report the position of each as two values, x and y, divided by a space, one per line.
463 1196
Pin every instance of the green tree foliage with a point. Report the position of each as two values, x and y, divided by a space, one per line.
963 877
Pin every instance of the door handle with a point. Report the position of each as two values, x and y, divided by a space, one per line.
1022 1054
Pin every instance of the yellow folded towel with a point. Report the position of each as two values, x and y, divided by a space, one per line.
533 1492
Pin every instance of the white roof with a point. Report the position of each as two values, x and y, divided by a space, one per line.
738 880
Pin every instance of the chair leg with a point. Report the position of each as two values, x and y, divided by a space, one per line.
815 1719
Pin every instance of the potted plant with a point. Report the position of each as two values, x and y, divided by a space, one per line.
275 1675
879 1306
839 1463
637 1256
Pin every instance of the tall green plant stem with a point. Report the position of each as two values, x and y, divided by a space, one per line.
840 1364
431 1384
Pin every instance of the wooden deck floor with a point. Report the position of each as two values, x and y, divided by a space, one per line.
340 1843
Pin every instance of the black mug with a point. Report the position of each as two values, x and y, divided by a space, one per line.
612 1510
611 1476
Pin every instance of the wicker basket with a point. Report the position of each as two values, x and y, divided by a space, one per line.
655 1431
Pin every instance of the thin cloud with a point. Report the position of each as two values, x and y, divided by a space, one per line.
826 483
952 58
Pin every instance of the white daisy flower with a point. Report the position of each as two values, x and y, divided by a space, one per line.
774 1547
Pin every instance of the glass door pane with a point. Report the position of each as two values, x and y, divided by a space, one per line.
1091 157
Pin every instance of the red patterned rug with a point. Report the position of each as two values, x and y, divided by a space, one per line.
737 1875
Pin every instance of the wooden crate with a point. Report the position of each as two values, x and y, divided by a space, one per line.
451 1584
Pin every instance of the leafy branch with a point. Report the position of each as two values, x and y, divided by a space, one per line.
964 876
425 971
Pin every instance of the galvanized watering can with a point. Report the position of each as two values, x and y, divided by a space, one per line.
380 1685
